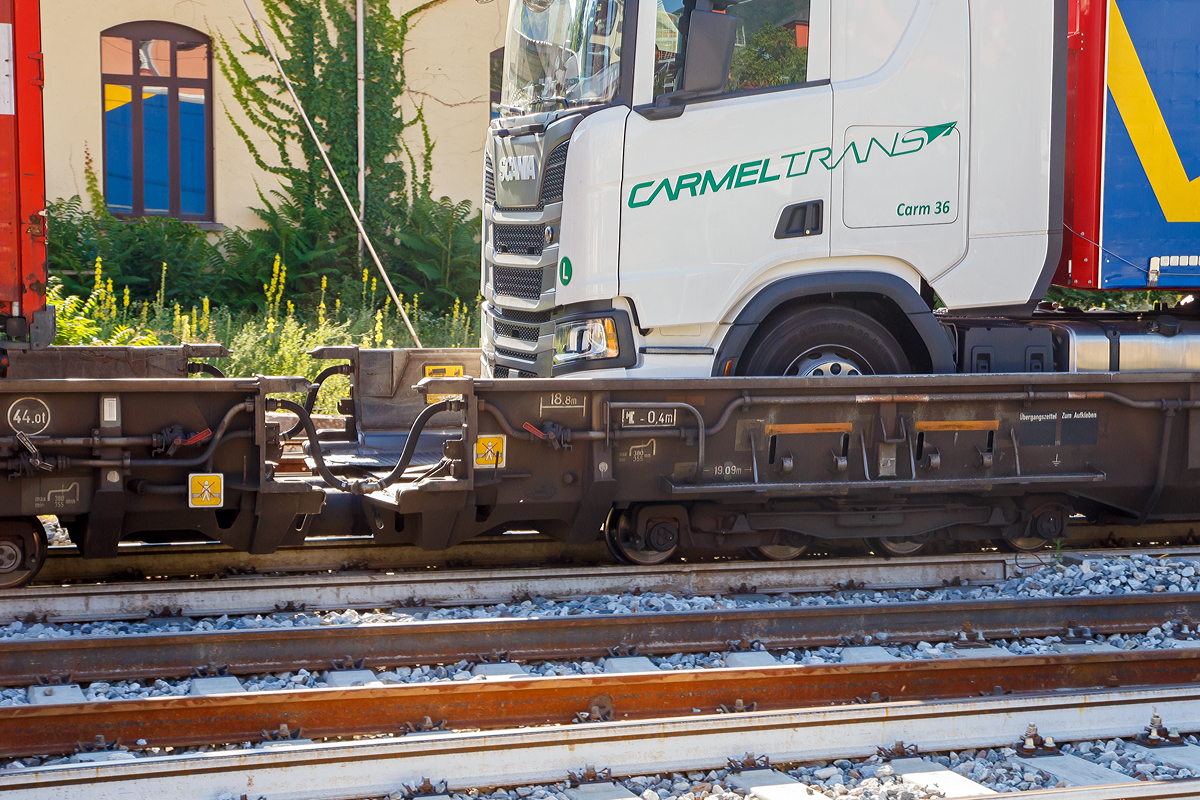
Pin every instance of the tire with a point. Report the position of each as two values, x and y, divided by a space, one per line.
824 341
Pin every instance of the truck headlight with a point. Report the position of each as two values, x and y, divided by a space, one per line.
585 339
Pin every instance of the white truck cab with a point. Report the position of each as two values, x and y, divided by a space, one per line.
768 187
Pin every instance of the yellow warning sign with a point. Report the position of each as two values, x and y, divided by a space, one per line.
442 371
489 452
205 489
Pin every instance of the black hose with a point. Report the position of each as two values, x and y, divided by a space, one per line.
410 444
208 369
373 484
305 421
311 400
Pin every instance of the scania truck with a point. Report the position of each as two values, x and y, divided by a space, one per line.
689 188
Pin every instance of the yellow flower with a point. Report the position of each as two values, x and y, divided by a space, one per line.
125 299
324 282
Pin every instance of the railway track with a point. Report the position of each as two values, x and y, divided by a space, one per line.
91 658
485 758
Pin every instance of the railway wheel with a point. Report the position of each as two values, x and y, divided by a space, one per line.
22 550
793 545
898 547
824 341
626 546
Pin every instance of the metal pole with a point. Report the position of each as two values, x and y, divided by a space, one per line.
359 24
333 174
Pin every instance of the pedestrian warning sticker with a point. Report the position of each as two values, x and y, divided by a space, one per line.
442 371
205 489
489 452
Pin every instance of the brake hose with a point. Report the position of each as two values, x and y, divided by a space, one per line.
311 400
373 484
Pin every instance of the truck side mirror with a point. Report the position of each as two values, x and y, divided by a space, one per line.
709 52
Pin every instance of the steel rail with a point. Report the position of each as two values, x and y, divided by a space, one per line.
508 703
259 595
700 741
90 658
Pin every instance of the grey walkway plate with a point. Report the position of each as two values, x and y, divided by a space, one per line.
871 654
1077 771
605 790
929 775
769 784
630 664
751 658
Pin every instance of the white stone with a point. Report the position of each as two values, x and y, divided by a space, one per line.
769 784
343 678
219 684
605 790
630 664
871 654
55 695
503 670
750 659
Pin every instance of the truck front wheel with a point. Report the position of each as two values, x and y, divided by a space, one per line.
824 341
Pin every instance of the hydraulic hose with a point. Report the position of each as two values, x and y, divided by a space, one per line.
311 400
372 484
305 421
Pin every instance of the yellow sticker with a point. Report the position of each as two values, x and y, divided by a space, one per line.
205 489
442 371
489 452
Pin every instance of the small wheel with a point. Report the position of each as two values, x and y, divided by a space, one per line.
824 341
899 547
794 546
658 546
23 547
1025 544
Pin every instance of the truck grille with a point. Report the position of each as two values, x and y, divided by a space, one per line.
527 317
501 371
500 351
489 179
518 282
522 332
552 179
526 240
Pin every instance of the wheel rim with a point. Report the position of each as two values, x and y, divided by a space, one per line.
24 543
828 361
779 552
10 556
618 534
899 546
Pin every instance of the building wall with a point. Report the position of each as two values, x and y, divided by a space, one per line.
446 66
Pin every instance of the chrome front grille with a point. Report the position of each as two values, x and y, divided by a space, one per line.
500 351
489 179
522 332
527 317
552 178
524 240
501 371
518 282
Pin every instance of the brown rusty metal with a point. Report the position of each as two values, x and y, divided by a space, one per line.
180 721
443 642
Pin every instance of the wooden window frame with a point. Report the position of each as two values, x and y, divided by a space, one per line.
176 34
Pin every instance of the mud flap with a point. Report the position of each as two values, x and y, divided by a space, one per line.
105 523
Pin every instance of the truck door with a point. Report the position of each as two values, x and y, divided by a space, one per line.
901 93
704 193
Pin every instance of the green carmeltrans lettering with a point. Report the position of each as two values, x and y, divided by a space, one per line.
755 172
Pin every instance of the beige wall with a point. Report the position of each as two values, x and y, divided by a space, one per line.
446 65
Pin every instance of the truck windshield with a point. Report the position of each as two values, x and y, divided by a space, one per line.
561 54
